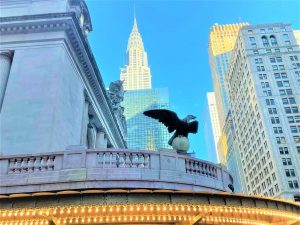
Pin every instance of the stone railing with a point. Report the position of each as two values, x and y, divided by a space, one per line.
123 160
109 168
31 164
201 168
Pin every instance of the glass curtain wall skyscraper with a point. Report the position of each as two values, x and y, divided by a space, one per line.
142 132
221 42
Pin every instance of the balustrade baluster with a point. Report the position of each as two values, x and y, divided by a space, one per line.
44 163
197 168
107 159
121 160
141 161
128 160
11 167
113 160
100 159
50 162
147 161
18 165
135 160
24 165
37 164
30 165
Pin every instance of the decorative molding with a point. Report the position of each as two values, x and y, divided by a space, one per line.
68 22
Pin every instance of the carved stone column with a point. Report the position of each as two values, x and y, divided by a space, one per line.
92 132
84 126
101 141
5 64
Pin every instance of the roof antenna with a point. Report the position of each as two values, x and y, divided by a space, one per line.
134 9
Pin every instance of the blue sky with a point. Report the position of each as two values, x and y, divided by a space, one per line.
175 36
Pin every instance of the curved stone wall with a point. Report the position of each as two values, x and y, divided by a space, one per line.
110 168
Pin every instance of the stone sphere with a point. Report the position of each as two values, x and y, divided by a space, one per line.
181 143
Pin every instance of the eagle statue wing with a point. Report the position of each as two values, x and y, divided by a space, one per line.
193 127
167 117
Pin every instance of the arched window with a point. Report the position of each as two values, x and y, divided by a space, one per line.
265 41
273 40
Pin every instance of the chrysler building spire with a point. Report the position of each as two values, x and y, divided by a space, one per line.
136 74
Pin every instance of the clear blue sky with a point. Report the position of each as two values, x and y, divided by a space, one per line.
175 36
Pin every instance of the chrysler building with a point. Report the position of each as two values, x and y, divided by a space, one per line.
136 74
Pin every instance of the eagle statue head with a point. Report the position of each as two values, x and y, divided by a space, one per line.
189 118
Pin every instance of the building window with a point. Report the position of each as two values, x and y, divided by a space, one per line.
265 84
265 41
296 139
283 150
284 162
253 45
273 40
258 60
275 120
270 101
262 76
287 43
252 38
250 31
292 171
268 51
272 111
293 58
280 140
282 29
260 68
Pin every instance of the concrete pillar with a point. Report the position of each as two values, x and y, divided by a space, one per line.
85 121
101 141
5 64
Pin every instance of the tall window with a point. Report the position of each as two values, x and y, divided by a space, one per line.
273 40
265 41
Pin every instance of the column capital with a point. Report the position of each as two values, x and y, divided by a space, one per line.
7 53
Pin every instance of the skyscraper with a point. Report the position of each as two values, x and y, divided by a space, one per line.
142 132
214 119
136 74
297 36
221 43
263 84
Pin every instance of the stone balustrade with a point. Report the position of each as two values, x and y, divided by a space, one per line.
31 164
201 168
123 160
78 168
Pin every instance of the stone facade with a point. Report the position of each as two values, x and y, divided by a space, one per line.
52 95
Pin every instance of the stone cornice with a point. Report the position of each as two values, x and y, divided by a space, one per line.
68 22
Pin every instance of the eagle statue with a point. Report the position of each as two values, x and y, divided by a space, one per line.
182 128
